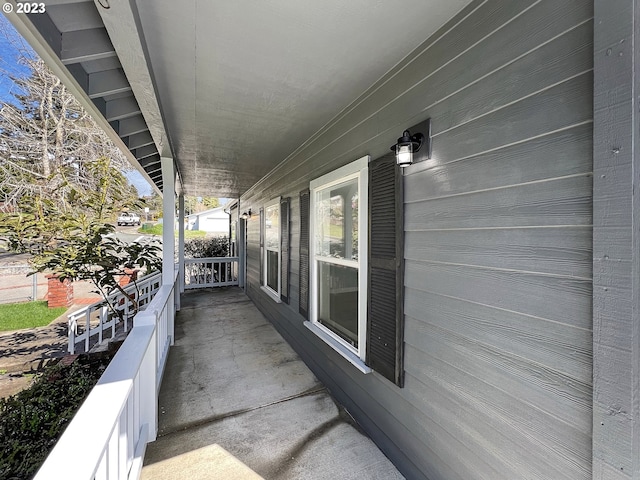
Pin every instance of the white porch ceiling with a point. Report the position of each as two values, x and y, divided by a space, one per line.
239 84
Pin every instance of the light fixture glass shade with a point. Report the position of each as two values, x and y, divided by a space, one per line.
404 155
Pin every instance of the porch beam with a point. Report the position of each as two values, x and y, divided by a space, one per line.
108 82
146 152
154 171
151 161
121 108
85 46
168 222
131 126
122 21
139 140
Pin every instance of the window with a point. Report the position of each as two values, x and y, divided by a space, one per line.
351 277
274 249
271 257
338 273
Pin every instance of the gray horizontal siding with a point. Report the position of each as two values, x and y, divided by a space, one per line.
498 246
564 300
558 250
563 201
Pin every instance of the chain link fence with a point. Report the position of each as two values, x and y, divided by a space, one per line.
17 286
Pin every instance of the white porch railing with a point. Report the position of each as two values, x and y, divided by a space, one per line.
91 322
107 437
210 272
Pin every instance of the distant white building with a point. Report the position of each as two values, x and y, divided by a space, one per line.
215 221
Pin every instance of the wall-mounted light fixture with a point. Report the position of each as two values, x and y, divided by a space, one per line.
246 215
408 145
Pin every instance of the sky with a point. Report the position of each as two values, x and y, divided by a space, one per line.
9 65
9 60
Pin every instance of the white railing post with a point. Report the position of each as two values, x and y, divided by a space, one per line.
175 295
111 444
71 347
148 285
176 288
148 377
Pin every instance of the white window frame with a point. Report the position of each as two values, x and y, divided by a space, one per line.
275 295
358 169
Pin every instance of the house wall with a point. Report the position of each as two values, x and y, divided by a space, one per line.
210 221
616 245
498 247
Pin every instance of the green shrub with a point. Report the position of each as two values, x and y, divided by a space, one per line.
32 421
206 247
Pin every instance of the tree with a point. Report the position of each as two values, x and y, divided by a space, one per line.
154 203
75 244
38 223
199 204
46 140
61 184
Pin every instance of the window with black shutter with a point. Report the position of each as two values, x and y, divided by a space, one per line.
385 332
338 260
284 249
261 218
355 216
303 285
272 229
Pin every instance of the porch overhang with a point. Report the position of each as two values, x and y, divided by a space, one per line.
228 100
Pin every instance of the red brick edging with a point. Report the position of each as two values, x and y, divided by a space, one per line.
60 294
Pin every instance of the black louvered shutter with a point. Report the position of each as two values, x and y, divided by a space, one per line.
261 219
284 249
385 329
304 254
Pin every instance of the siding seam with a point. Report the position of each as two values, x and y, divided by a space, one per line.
513 102
502 187
511 144
535 317
502 269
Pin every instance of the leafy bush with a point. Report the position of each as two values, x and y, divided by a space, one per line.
206 247
32 420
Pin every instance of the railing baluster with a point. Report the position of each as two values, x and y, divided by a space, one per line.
126 397
87 330
210 272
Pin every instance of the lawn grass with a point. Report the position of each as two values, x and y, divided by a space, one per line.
17 316
156 229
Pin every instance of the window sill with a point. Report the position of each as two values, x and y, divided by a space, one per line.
273 295
338 347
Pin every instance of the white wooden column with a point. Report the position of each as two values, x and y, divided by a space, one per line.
616 241
181 242
168 220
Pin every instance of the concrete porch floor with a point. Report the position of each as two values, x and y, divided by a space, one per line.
238 403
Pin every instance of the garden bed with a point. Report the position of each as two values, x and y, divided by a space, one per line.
32 420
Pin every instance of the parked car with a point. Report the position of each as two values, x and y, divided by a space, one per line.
126 218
